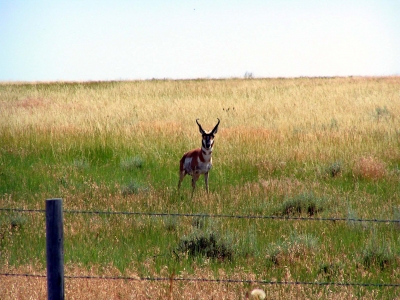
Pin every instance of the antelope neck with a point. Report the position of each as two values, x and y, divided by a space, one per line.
206 154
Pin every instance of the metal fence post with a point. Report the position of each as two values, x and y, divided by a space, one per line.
54 249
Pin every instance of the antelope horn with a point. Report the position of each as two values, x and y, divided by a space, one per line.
214 131
200 128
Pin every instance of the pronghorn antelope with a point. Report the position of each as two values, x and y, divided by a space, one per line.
198 161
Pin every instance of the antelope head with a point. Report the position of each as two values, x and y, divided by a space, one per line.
208 137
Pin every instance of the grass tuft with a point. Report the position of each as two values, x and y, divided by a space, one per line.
288 250
306 203
334 169
330 270
379 255
17 221
369 168
207 243
131 163
13 222
132 188
81 164
381 112
171 223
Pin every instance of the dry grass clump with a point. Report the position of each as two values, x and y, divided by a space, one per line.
369 167
289 250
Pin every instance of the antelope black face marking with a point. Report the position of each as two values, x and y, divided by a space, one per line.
208 141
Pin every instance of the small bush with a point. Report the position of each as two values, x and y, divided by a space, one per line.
171 223
14 221
275 253
18 221
377 255
206 243
329 270
131 163
369 168
381 112
131 188
81 164
303 203
334 169
8 225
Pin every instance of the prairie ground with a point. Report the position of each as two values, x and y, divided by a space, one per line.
288 148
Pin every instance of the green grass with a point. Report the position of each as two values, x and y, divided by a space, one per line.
126 158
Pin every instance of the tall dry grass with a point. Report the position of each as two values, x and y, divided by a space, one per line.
273 104
301 119
35 288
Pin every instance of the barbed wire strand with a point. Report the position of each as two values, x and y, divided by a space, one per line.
205 215
246 281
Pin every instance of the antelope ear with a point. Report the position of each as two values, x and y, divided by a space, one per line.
200 129
215 130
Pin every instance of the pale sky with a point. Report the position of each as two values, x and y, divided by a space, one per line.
128 40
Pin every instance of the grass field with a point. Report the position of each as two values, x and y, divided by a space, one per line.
305 147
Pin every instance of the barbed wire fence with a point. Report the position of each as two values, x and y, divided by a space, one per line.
162 214
244 281
224 216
